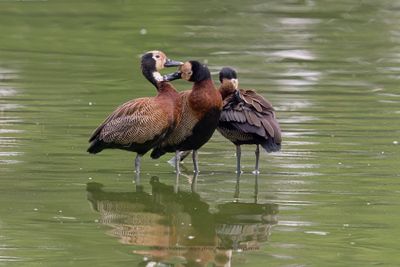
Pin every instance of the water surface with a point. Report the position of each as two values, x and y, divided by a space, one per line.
329 198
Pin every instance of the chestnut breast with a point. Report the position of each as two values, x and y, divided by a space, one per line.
203 98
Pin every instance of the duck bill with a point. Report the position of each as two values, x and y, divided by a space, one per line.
172 63
172 76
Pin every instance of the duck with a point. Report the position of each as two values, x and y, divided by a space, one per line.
201 108
142 123
247 118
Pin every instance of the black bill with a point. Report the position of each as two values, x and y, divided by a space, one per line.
172 76
172 63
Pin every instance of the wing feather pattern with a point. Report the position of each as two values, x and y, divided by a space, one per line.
251 114
136 121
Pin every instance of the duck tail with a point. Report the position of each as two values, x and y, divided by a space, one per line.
96 146
156 153
271 146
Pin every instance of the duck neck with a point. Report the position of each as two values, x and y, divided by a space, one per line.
201 75
152 75
226 89
204 98
166 88
204 84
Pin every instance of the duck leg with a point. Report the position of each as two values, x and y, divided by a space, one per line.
177 161
194 182
257 152
137 172
176 186
195 158
256 189
237 187
238 156
137 163
183 154
138 184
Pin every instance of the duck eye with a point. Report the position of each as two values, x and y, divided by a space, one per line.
157 56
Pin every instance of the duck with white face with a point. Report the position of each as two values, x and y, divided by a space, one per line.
201 108
247 118
141 124
153 62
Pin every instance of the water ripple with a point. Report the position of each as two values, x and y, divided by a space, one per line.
8 131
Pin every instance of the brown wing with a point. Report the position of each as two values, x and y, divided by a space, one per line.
185 127
249 112
255 100
136 121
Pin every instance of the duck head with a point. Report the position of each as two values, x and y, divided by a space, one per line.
229 82
154 61
192 71
227 76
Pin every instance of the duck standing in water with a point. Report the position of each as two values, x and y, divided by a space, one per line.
201 108
140 124
247 118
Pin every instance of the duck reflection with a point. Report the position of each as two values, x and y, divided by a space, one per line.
176 228
243 226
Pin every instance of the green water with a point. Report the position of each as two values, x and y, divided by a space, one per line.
331 197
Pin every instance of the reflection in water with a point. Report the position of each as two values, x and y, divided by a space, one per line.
243 226
8 140
176 227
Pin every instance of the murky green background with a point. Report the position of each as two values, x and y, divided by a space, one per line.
331 197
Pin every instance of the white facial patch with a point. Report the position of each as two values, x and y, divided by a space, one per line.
159 59
235 83
157 55
157 76
156 58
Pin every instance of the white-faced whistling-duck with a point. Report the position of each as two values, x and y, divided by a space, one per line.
201 108
140 124
247 118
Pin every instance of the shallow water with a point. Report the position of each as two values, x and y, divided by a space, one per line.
329 198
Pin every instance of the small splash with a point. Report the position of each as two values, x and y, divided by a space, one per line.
294 223
299 21
64 218
297 54
317 233
283 257
9 161
7 91
9 258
